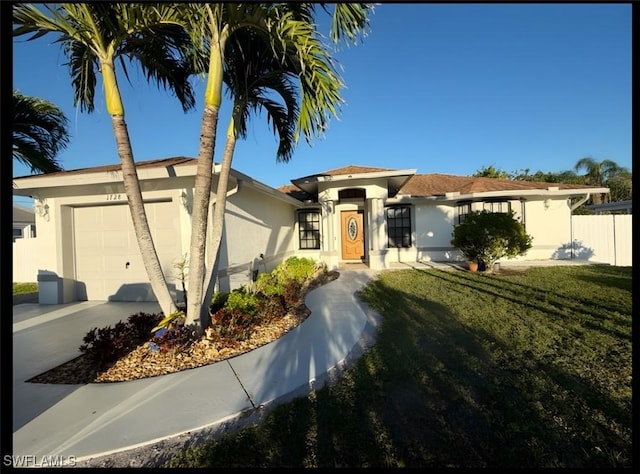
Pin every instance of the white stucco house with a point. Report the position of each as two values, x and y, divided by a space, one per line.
352 214
24 223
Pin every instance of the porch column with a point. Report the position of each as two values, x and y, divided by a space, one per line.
328 252
330 242
378 235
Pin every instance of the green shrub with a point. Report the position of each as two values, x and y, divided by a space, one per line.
291 294
174 338
218 301
269 285
240 300
232 325
174 319
296 268
488 236
108 344
271 307
293 269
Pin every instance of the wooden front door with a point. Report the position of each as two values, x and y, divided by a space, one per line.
352 235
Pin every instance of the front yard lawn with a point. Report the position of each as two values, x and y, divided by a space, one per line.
528 369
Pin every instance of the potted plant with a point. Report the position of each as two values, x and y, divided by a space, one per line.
484 237
465 239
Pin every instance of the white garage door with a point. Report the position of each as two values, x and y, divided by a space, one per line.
107 257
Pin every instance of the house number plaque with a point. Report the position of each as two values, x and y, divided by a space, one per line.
113 197
352 228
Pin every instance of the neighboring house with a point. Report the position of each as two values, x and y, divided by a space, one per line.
352 214
24 223
616 207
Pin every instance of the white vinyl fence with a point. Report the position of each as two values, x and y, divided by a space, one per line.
602 239
25 260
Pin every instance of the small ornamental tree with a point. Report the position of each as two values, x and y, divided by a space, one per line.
488 236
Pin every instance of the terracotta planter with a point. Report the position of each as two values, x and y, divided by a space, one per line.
473 266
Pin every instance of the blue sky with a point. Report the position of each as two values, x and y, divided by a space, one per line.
442 88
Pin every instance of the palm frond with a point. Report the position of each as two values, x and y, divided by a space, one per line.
164 54
39 133
255 77
93 34
350 21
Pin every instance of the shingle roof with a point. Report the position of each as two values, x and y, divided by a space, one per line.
295 192
354 169
438 184
425 185
350 169
175 161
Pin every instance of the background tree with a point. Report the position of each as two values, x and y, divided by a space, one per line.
95 37
598 173
39 132
491 172
567 176
621 186
488 236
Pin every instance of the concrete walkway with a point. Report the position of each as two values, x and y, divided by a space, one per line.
75 423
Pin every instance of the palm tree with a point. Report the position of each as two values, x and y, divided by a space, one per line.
598 173
40 132
251 73
95 37
291 32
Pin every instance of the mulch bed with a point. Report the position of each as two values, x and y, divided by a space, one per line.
143 363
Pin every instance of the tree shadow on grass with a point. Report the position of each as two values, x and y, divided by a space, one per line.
613 277
552 304
433 392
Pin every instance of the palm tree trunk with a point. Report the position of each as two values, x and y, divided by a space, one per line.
217 225
202 184
139 217
199 215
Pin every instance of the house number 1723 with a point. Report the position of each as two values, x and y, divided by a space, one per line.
113 197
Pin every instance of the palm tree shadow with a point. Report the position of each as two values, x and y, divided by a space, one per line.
433 391
312 353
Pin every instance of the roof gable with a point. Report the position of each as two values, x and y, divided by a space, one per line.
346 170
353 169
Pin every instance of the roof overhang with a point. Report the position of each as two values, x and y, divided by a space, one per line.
395 179
42 181
149 178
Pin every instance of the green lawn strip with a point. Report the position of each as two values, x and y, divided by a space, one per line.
468 370
24 288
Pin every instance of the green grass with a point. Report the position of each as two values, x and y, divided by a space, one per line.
24 288
529 369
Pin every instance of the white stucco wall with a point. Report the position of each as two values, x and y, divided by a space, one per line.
434 224
254 224
550 226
